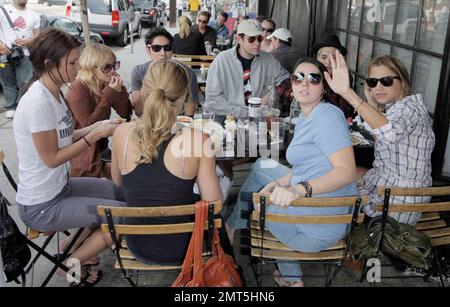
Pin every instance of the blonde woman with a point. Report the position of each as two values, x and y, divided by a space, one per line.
97 89
404 134
188 42
156 168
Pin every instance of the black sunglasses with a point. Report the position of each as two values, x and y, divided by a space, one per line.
157 48
299 77
268 30
108 67
385 81
252 39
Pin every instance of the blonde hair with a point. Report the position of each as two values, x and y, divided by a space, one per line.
93 57
397 67
165 89
185 27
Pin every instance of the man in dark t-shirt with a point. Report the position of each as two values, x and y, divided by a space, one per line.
159 45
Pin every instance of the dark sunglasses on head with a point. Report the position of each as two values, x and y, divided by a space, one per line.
202 21
108 67
299 77
268 30
252 39
157 48
385 81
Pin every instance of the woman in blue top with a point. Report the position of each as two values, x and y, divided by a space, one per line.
322 157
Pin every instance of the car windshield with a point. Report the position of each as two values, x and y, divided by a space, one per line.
99 6
138 2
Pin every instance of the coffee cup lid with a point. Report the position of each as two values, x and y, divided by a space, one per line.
254 100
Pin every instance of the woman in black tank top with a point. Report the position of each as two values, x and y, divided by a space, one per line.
153 177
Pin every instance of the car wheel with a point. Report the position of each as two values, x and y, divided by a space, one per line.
122 40
139 31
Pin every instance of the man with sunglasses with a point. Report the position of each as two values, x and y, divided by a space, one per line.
159 45
209 34
268 27
281 45
242 72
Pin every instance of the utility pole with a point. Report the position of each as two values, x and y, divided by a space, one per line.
173 13
84 21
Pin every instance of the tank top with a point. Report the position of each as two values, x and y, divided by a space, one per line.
152 185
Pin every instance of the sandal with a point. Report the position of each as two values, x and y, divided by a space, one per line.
84 281
281 282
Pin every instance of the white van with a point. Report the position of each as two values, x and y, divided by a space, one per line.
110 18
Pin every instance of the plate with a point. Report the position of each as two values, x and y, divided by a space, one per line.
215 131
185 120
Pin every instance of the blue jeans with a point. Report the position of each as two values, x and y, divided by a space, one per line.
296 237
13 79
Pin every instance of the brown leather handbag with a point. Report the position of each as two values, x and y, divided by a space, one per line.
218 271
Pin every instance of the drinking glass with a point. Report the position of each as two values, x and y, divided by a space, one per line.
208 114
294 114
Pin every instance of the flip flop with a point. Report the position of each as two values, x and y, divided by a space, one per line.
84 283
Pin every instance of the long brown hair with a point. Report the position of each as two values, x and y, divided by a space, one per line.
397 67
165 90
46 52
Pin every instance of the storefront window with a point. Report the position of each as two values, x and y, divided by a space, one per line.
434 26
364 55
352 55
387 15
355 17
409 13
344 6
406 56
381 49
426 73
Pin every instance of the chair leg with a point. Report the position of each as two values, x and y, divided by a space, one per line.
331 278
39 253
254 264
58 263
438 263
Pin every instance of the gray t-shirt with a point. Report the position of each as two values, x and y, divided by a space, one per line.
138 74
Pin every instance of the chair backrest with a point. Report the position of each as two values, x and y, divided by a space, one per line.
167 211
399 207
314 203
2 156
194 61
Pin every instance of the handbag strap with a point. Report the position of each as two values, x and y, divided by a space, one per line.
7 16
193 262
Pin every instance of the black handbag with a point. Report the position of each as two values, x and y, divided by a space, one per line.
400 240
15 251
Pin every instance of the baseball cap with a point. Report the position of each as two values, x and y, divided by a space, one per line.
282 34
250 28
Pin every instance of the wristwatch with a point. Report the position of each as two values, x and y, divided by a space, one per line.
307 187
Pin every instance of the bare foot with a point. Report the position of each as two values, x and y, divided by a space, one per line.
281 282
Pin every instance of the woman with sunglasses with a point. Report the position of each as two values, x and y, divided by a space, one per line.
188 41
48 198
323 163
404 134
97 89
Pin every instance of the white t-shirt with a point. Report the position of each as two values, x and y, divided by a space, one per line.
39 111
24 22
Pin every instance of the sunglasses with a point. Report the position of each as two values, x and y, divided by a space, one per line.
299 77
268 30
386 81
157 48
108 67
202 21
252 39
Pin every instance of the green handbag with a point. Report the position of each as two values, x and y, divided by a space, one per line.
400 240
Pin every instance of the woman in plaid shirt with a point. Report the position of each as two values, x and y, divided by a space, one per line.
404 135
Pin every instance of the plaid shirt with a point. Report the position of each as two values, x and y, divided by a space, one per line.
402 154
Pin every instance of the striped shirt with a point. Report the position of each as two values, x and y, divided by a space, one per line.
402 155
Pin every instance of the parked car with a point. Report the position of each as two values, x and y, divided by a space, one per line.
65 24
52 2
151 11
113 19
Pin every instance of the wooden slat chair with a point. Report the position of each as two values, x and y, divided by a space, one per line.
430 223
266 248
126 262
33 234
194 61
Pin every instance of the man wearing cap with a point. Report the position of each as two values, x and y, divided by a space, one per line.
243 72
281 45
323 51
